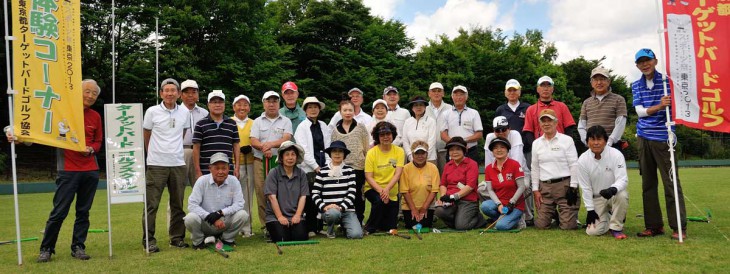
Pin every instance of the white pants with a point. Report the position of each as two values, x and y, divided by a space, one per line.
618 205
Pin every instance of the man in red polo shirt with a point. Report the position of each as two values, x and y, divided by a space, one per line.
532 131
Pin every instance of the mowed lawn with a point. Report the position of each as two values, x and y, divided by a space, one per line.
531 250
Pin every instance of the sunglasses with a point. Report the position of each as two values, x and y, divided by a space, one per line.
500 130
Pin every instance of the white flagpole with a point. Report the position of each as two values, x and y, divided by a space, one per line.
672 138
108 189
157 59
12 122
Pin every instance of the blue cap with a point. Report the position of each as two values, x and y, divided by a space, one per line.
644 53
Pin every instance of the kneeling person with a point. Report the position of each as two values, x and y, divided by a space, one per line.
602 177
504 185
334 193
216 205
286 191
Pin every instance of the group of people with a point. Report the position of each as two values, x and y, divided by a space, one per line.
312 177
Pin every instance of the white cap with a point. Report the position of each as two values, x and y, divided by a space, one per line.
188 84
241 97
545 79
459 87
380 101
268 94
420 148
500 122
436 85
354 90
216 93
512 83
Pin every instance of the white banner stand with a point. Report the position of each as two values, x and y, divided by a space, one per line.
124 159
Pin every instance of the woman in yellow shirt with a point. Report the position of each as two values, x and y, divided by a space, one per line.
383 168
419 184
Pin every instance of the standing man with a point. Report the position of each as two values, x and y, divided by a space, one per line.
396 114
604 108
602 177
164 129
190 97
650 104
437 109
291 109
267 133
78 175
356 97
532 130
464 122
515 112
216 133
217 200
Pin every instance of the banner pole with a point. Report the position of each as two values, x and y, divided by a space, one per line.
12 122
114 57
671 137
157 60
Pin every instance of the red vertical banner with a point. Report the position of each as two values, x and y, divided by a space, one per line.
698 61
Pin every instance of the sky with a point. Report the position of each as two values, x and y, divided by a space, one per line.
591 28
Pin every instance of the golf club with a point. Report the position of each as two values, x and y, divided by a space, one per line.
417 229
278 249
21 240
394 232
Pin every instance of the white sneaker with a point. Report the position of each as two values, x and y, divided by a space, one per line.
312 234
209 240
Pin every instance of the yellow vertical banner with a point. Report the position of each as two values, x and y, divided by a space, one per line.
48 105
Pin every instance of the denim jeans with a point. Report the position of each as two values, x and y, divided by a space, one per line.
507 222
348 219
81 184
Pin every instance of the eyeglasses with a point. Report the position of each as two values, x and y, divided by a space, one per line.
500 130
599 79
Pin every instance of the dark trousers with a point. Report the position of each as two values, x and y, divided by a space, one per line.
311 210
462 215
655 155
158 177
359 200
382 216
473 153
280 233
425 222
81 184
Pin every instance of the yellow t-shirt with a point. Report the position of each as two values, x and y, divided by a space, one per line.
383 165
420 182
244 133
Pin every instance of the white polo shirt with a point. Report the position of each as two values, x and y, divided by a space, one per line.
515 152
596 175
553 159
463 124
166 141
420 130
196 114
398 117
361 118
267 130
438 115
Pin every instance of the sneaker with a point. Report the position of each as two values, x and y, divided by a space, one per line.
675 234
331 235
153 248
530 222
80 253
618 234
179 244
44 257
199 246
312 234
650 232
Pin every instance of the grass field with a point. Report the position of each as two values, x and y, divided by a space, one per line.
706 249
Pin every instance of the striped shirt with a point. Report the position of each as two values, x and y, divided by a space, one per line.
213 138
334 190
603 111
651 127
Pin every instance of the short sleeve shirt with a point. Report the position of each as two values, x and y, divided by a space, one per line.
466 173
287 191
419 182
532 119
383 165
215 137
266 130
166 141
463 124
504 182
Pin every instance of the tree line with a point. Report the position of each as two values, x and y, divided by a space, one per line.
328 47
